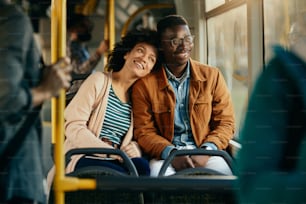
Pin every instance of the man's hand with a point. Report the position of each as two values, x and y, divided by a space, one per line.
55 77
199 160
182 162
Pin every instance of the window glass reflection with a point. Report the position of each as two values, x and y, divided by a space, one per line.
279 16
211 4
227 50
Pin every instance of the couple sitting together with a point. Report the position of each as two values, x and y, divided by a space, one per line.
152 100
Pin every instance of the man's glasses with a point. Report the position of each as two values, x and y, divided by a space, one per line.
188 40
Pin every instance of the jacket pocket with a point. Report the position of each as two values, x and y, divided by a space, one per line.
202 109
160 108
162 115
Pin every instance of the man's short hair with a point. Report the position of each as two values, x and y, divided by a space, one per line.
170 21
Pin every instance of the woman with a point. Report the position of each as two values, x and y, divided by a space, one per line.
100 114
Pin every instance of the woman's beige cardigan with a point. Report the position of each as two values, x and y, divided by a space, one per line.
84 117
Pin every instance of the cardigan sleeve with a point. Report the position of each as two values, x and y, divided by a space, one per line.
80 110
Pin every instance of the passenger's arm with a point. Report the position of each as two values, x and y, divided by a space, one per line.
55 77
20 59
84 67
15 95
222 123
145 131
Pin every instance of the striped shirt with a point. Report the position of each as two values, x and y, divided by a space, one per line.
117 119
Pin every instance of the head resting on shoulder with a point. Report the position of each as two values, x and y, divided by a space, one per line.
116 60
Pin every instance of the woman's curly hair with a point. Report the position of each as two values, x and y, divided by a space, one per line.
115 60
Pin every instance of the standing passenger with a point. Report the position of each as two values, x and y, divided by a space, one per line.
272 161
79 29
184 105
24 88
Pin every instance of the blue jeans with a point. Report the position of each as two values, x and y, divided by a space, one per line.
141 164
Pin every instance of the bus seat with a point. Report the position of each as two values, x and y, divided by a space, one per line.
99 173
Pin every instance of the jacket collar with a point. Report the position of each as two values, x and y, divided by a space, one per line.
195 71
194 74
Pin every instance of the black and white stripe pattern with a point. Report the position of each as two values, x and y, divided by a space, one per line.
117 119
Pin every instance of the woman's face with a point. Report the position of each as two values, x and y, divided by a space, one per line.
141 59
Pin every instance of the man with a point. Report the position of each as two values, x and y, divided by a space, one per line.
183 105
24 88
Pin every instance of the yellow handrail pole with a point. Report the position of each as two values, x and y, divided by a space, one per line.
106 31
58 50
54 57
58 21
111 24
149 6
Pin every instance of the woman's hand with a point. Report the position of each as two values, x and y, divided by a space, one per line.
132 150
